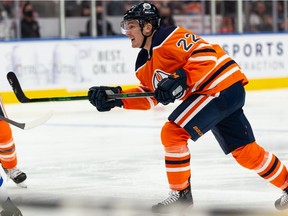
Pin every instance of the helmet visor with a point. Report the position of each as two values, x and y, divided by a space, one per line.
129 25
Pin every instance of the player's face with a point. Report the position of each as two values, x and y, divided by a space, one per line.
131 29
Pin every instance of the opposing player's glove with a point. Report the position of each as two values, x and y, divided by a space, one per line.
98 97
9 209
171 88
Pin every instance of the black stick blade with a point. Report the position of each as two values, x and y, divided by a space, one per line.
14 83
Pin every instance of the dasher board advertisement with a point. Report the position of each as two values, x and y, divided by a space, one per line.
77 64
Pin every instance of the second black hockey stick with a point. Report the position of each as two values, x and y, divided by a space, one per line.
17 89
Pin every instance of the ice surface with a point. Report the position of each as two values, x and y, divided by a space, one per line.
83 156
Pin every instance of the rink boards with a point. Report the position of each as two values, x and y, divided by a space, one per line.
71 66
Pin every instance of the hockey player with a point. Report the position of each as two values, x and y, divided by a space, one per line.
8 157
8 207
177 64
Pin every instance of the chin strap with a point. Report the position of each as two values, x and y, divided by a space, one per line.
144 41
145 38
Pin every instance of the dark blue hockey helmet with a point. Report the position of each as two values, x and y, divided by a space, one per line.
144 12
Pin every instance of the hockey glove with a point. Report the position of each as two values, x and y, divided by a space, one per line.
171 88
98 97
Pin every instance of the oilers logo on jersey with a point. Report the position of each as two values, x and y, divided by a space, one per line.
158 76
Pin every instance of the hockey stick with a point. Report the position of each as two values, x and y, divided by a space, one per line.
14 82
28 125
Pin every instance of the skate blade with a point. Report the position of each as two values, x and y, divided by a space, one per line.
180 210
22 185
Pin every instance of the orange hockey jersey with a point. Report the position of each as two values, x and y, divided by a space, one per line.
209 69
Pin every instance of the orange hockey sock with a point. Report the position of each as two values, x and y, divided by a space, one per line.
7 148
177 161
177 155
267 165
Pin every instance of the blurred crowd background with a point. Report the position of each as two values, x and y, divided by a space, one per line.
74 18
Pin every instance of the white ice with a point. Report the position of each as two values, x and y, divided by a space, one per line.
83 155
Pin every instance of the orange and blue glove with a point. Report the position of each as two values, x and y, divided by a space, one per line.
171 88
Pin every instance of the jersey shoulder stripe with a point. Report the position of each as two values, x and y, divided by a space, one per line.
162 34
203 51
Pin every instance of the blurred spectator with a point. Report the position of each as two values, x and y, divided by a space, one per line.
115 8
166 15
29 25
85 9
46 8
101 23
71 8
227 25
4 27
176 7
281 21
192 8
8 6
260 20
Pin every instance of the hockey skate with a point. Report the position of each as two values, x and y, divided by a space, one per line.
282 202
9 209
177 201
17 176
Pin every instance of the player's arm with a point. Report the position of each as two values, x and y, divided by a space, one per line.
176 85
202 60
139 103
98 97
195 55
